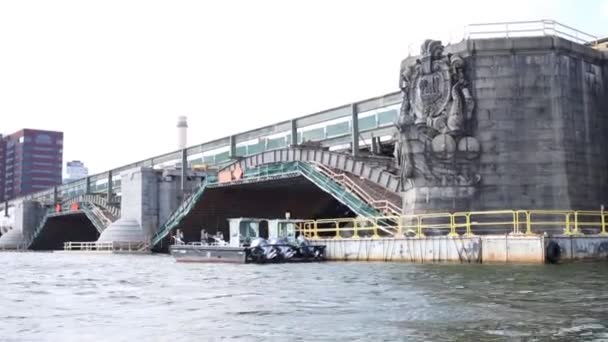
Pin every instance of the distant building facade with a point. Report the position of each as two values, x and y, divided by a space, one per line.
31 161
75 170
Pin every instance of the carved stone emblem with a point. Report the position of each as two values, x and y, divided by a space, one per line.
435 119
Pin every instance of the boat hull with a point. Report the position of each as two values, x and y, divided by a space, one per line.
213 254
242 255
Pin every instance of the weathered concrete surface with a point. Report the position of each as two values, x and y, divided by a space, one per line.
477 249
28 215
512 249
540 105
582 247
430 249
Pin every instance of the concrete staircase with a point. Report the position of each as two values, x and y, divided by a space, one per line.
384 201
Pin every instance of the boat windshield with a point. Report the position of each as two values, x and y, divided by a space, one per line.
248 230
287 230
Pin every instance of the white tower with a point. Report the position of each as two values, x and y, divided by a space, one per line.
182 132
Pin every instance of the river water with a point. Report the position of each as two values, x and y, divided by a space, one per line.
92 297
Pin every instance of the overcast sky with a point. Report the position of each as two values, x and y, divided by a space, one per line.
114 75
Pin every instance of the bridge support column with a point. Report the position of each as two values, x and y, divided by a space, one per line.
354 130
232 151
109 193
184 175
87 185
294 132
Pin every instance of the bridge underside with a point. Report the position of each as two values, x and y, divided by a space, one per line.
266 199
60 229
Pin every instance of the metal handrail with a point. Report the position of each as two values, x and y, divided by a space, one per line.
105 246
515 222
349 184
529 28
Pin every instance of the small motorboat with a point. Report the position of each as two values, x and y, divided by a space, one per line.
247 246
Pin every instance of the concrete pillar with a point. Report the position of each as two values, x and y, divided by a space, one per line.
55 195
140 199
87 185
28 215
109 190
294 132
184 176
354 129
232 151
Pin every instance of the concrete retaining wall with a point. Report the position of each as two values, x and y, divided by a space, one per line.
582 247
476 249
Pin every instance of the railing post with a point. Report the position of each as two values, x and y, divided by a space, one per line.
355 226
469 231
338 231
419 232
603 232
354 130
567 229
375 236
399 226
576 231
452 226
528 222
316 230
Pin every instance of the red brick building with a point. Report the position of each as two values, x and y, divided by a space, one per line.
31 161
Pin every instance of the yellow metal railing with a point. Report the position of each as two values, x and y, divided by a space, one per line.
524 222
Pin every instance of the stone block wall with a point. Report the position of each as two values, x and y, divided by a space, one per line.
541 119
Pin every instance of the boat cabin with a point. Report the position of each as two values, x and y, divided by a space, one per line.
243 230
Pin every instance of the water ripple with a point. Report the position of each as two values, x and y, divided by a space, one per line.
125 298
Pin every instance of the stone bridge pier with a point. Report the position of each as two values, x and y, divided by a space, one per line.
149 197
28 215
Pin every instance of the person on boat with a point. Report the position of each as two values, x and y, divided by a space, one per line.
204 237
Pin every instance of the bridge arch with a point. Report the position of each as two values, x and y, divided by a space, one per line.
320 178
376 169
81 218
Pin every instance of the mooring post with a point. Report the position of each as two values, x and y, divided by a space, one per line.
354 130
294 132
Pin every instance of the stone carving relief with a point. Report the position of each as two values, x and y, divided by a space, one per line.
434 121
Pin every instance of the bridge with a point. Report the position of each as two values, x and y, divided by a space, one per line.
484 124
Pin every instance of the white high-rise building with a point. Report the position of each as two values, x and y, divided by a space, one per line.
76 170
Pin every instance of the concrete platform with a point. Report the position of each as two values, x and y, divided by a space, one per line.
476 249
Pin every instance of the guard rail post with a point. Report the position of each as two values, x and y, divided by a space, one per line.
452 226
